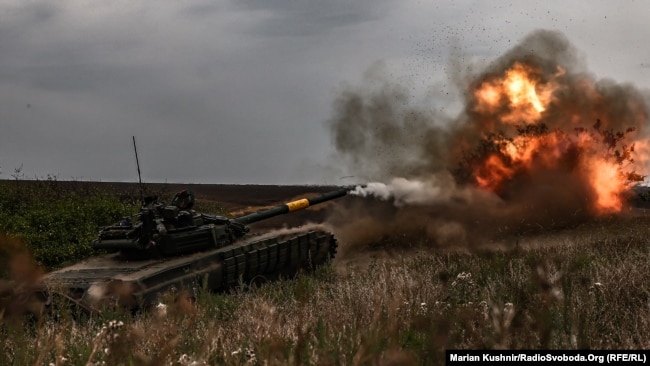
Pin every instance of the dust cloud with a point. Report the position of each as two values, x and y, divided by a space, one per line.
19 280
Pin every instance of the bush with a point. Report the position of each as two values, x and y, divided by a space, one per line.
57 221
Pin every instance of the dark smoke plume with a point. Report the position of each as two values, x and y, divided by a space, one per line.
418 160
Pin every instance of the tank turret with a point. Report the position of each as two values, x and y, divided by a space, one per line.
167 230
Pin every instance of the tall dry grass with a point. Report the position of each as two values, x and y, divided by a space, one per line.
589 289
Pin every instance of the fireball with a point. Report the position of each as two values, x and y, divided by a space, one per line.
518 96
525 102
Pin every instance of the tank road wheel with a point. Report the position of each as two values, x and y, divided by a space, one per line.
257 280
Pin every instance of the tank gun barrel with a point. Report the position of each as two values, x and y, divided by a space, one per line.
290 207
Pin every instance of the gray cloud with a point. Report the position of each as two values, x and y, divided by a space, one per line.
229 91
307 19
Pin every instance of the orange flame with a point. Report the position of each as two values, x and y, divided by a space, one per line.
493 172
608 184
521 98
519 91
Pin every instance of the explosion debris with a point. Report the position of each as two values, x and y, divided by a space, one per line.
539 143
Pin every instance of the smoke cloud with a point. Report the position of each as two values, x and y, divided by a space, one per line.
436 189
427 170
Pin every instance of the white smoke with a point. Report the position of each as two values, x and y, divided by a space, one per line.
437 189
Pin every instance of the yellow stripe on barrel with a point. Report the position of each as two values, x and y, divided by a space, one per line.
298 205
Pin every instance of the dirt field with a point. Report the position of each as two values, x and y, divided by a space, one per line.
235 199
230 196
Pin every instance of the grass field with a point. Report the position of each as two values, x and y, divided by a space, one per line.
585 287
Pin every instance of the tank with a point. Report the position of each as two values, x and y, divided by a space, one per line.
174 248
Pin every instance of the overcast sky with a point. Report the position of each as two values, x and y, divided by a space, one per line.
219 91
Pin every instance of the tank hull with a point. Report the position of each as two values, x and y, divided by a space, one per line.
111 279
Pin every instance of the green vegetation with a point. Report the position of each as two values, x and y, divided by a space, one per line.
587 288
58 220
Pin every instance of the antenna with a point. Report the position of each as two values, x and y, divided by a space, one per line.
137 162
